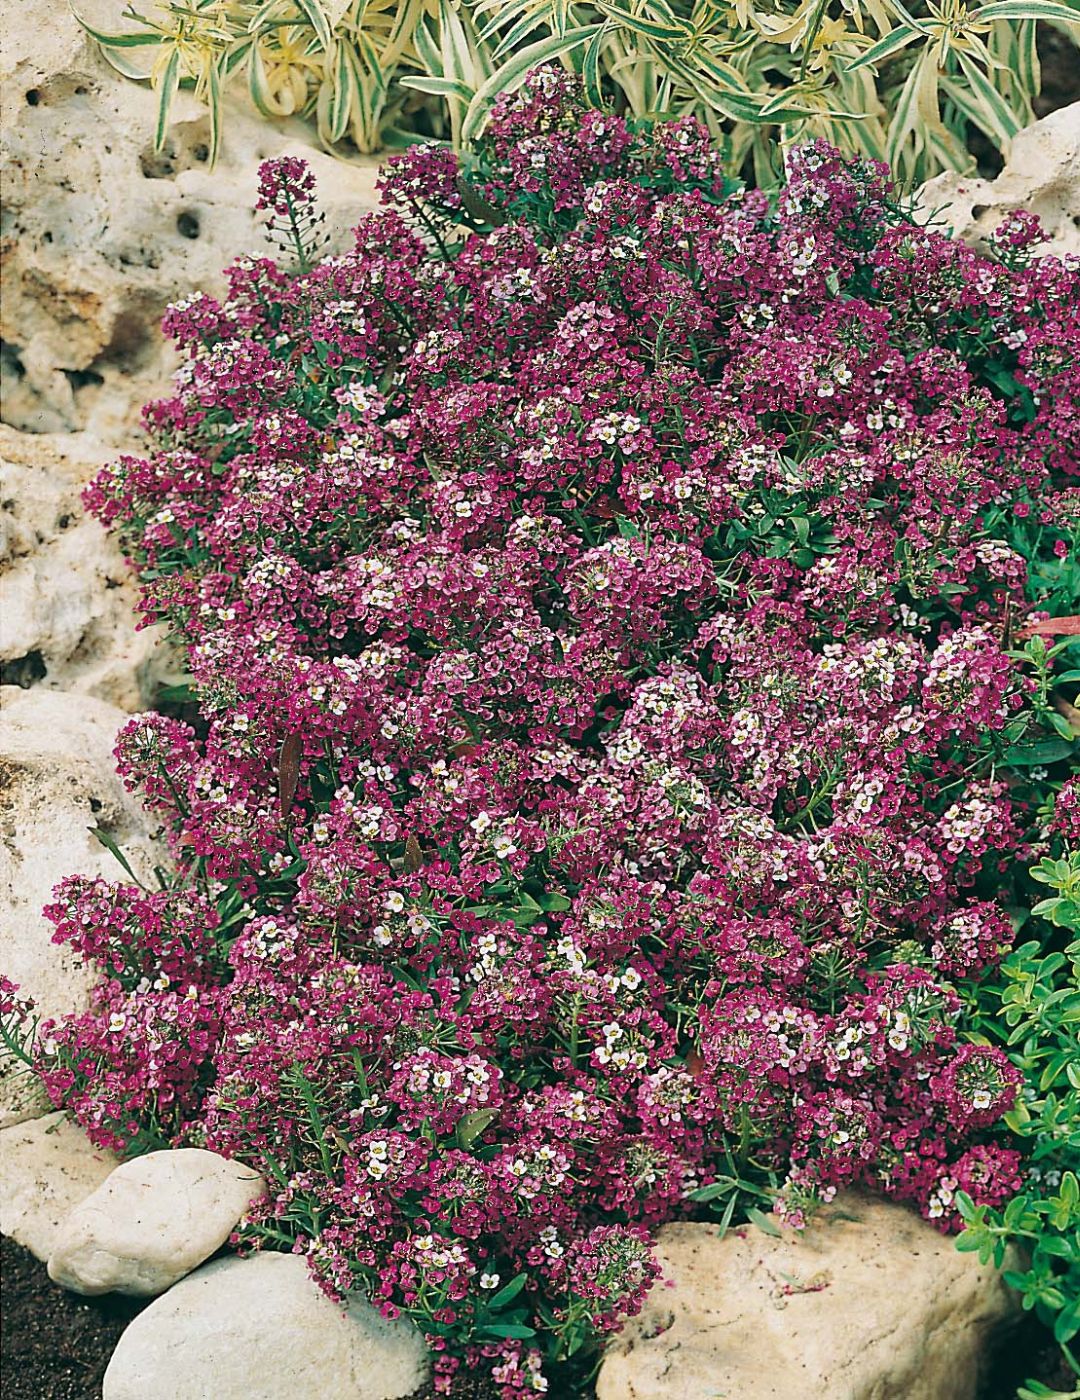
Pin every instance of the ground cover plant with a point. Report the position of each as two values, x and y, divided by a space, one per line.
1032 1007
905 84
617 714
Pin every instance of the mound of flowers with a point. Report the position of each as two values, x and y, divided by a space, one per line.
605 768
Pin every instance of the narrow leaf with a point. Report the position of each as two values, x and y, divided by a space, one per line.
170 80
119 41
899 39
762 1221
110 845
1026 9
316 16
514 72
508 1293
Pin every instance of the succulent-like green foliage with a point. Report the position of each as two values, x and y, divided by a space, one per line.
1033 1009
901 84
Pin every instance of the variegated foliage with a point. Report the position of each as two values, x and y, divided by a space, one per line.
903 84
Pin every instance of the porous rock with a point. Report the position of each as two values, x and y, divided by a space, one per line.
68 617
1041 176
152 1221
259 1329
58 785
870 1303
102 231
47 1168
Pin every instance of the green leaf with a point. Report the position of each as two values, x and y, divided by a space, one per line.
1026 9
763 1222
514 72
1045 751
892 43
551 902
649 28
170 81
1067 1324
710 1192
259 85
590 69
438 87
319 21
125 67
990 100
213 102
507 1329
110 845
505 14
515 37
905 118
134 40
473 1124
508 1293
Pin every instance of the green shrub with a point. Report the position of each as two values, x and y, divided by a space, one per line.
904 85
1032 1007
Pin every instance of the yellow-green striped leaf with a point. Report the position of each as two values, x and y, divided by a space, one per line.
339 106
990 102
213 102
892 43
438 87
318 19
122 40
170 81
118 60
514 72
1029 69
1026 9
649 28
516 35
590 70
259 85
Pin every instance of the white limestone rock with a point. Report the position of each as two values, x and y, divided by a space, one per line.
152 1221
1041 175
47 1168
57 784
259 1329
68 618
101 232
871 1303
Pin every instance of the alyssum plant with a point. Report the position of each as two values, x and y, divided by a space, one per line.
901 84
610 741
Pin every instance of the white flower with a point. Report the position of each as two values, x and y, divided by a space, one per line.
504 846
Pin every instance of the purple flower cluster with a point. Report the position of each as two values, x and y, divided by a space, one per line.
592 797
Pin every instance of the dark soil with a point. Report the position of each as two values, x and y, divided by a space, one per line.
1028 1353
54 1345
468 1387
1060 61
